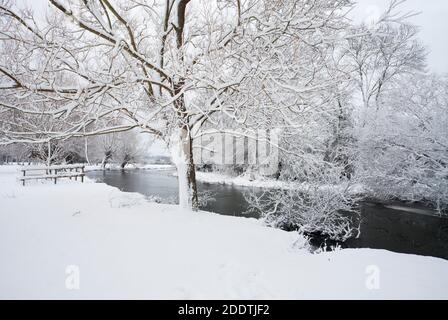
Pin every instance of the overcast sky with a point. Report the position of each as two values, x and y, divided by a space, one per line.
433 21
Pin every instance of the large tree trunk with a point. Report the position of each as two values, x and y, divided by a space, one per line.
181 143
182 156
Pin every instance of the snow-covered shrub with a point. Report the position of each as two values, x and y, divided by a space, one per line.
403 148
327 210
155 199
317 197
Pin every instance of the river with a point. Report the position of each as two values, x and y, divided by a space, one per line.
394 227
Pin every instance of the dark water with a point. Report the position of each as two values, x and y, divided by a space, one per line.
228 200
422 233
391 227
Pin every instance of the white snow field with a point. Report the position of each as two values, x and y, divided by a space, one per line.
118 245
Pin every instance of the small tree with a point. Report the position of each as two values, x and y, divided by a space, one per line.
380 58
128 148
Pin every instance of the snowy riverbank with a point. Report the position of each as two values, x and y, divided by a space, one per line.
242 181
264 182
126 247
98 167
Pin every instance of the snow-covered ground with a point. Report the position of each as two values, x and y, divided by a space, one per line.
118 245
243 181
264 182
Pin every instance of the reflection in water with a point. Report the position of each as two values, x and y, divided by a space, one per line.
383 227
228 200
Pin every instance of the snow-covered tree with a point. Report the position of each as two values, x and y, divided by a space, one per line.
166 68
108 148
403 153
380 58
321 131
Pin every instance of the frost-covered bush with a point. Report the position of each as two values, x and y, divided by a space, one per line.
323 210
403 148
317 197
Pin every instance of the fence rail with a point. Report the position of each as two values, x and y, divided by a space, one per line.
53 173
